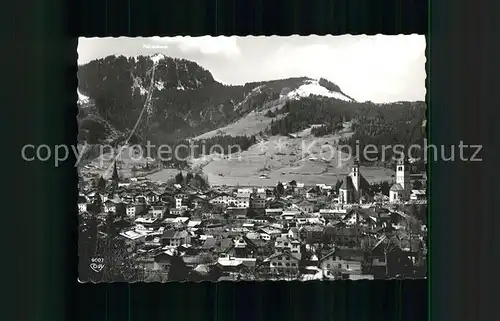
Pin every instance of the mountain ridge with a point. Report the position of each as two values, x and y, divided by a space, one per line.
186 98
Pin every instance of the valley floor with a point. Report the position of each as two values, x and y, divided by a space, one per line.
372 174
306 159
300 157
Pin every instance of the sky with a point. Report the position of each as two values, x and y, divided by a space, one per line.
376 68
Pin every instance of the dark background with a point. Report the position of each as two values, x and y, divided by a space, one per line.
39 226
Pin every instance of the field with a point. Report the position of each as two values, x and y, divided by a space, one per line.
164 175
309 160
300 157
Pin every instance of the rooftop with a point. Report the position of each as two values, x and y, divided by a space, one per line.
397 187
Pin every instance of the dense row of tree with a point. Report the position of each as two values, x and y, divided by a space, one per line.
222 144
323 130
91 131
196 180
373 124
381 187
301 114
99 240
389 125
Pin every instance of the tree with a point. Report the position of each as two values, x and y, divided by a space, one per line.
305 257
89 239
280 190
199 181
365 244
115 178
101 185
214 273
189 176
337 185
227 217
422 213
120 264
388 247
121 210
327 237
110 226
178 270
417 184
385 187
179 178
251 212
96 206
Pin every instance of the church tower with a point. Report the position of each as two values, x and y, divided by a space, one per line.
403 174
115 178
355 178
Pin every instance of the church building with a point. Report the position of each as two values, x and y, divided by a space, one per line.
355 188
401 190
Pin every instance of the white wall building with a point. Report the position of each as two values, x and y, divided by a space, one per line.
401 190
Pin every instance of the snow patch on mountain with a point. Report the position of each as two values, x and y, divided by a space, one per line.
160 85
312 87
82 99
157 57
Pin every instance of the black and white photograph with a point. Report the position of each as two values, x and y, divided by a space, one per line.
252 158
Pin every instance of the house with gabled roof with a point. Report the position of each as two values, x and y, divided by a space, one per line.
346 236
222 198
305 206
293 233
418 195
199 200
82 203
132 210
157 211
348 261
174 238
209 244
225 245
284 244
360 217
283 263
140 198
274 212
311 233
110 205
257 202
386 258
133 238
312 193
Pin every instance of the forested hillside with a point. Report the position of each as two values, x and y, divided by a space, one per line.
186 100
380 125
